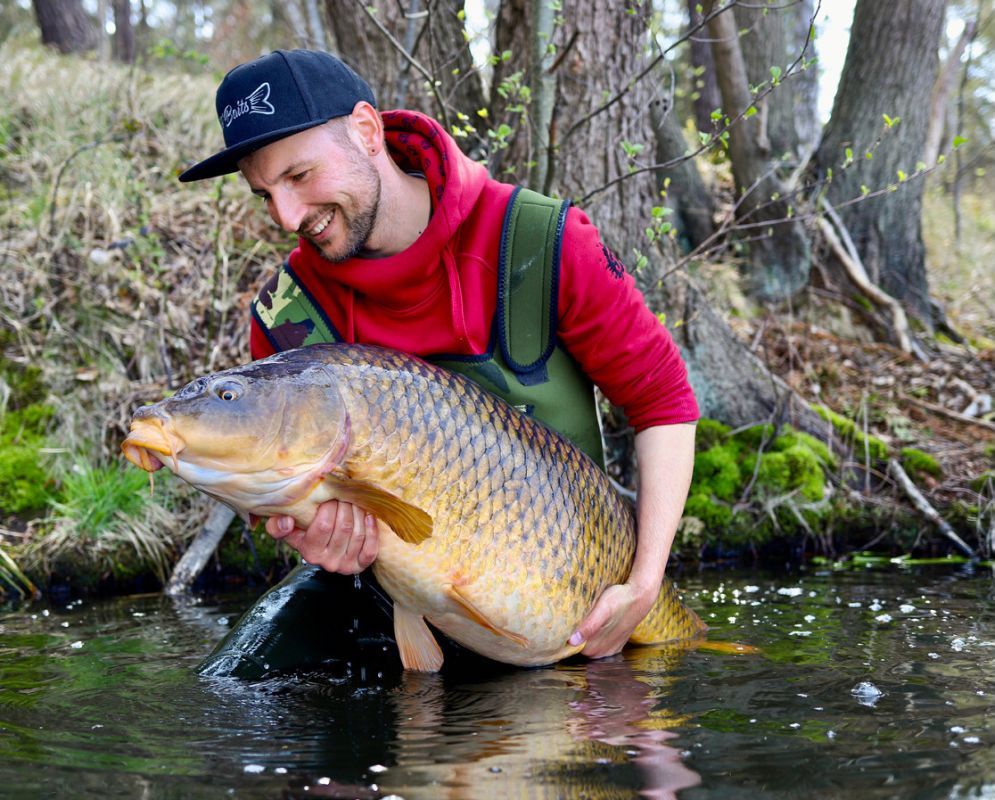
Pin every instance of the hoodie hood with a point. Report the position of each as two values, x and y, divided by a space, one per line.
418 144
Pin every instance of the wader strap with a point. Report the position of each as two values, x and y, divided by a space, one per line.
528 281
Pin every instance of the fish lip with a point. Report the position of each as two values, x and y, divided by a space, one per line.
148 436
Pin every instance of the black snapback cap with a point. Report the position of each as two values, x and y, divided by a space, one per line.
276 95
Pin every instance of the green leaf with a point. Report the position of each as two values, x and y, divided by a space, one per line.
958 141
775 73
902 176
849 154
716 115
749 112
864 191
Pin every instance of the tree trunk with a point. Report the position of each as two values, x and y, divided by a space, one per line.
510 155
440 48
124 33
730 382
890 68
705 91
65 25
779 254
686 194
775 39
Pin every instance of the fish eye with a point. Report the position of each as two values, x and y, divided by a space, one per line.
228 390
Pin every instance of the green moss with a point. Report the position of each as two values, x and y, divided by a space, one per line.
709 432
918 462
24 482
756 436
805 472
791 438
716 472
978 484
715 516
848 429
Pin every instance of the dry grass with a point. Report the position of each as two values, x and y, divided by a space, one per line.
116 280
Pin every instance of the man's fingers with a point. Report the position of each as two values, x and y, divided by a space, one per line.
371 542
357 539
280 527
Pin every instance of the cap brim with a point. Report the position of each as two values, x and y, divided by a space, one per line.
226 161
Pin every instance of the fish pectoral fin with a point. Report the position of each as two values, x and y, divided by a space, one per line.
410 523
458 596
418 648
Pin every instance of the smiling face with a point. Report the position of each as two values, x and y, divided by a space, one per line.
320 184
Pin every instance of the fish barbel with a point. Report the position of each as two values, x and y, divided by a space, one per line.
502 533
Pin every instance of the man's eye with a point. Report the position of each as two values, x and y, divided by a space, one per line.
298 177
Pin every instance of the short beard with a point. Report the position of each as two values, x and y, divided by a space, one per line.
360 227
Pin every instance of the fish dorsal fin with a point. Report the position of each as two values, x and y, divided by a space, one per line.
410 523
418 648
469 609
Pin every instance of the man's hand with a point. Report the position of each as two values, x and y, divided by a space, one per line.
614 617
342 537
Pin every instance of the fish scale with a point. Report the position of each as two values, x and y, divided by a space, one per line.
525 533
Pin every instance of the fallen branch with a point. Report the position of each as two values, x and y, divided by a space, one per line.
855 270
923 506
947 412
200 550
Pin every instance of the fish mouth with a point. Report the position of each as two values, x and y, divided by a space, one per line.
147 438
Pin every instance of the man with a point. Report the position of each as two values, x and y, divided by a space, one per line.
403 243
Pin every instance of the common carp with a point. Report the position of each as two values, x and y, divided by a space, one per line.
502 533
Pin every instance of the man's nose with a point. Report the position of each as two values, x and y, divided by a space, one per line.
287 211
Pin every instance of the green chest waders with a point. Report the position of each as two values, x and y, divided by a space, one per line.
314 616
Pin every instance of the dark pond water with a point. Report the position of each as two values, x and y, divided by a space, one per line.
871 684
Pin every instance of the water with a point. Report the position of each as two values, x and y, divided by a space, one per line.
870 685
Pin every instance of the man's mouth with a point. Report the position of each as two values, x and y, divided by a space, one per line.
315 230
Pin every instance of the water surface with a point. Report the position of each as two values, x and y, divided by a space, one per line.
871 684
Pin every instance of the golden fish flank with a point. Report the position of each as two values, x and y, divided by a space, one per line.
502 533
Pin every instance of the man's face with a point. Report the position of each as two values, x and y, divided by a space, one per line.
321 185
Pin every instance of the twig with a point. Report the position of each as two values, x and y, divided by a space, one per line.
410 58
950 413
200 550
923 506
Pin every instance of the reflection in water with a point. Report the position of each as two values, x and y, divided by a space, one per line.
100 699
566 731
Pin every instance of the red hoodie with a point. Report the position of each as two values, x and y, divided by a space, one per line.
439 296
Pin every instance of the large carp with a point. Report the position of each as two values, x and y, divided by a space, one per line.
502 533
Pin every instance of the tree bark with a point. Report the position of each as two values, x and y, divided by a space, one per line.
65 25
775 39
890 68
730 382
124 32
705 93
686 194
440 48
779 255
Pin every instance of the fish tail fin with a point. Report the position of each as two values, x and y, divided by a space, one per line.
669 620
418 648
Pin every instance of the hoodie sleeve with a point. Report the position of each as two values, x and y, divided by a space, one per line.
606 326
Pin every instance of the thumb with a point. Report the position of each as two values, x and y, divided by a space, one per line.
590 625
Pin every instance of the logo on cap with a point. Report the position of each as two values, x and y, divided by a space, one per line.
255 103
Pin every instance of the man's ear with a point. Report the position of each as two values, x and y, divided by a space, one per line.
367 126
